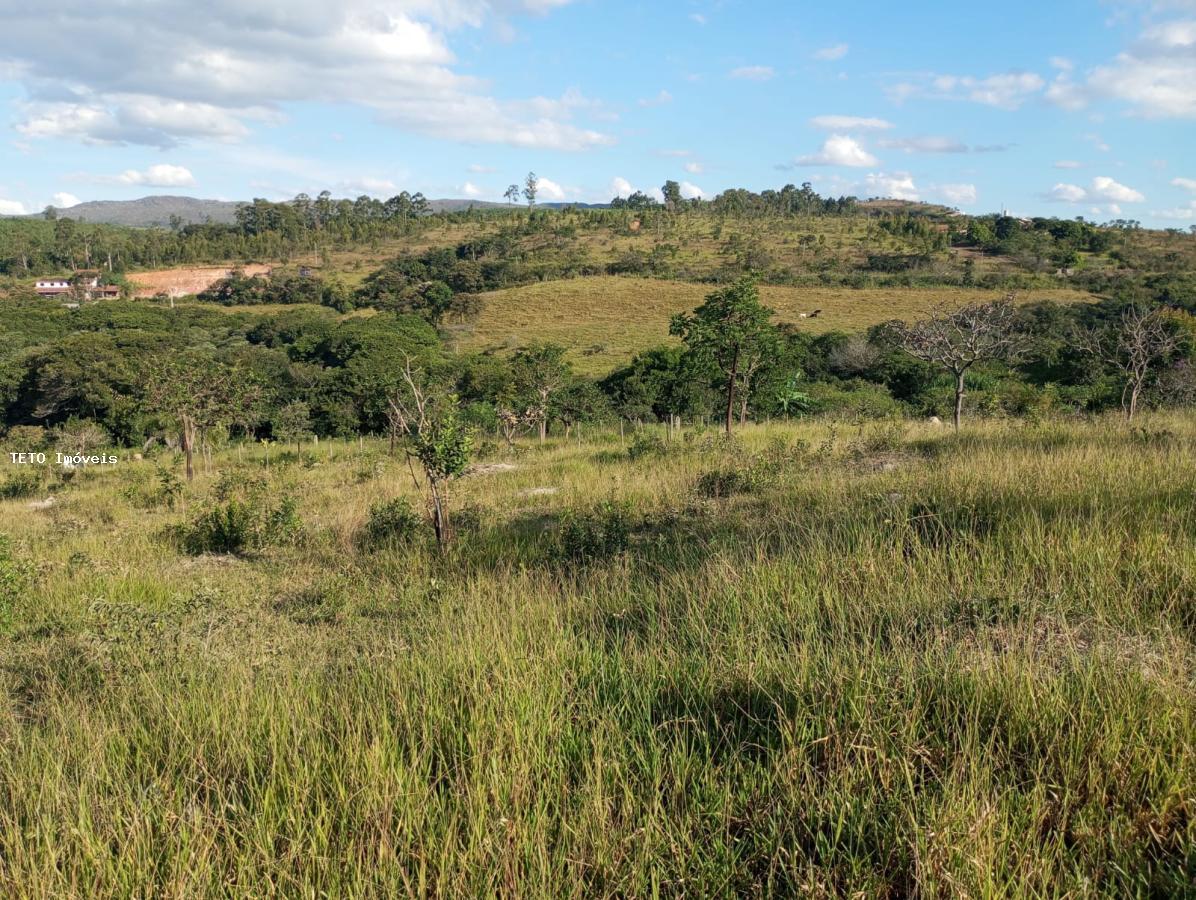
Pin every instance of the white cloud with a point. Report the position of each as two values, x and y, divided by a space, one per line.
1155 77
1007 90
12 208
1102 188
753 73
659 100
158 72
676 153
698 18
620 187
959 194
1188 184
1108 189
897 186
160 175
849 123
840 150
479 169
691 191
63 200
1178 213
1068 164
469 189
376 187
1067 193
926 144
550 190
838 51
693 168
1062 63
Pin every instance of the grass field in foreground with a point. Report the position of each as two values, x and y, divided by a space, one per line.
892 663
604 321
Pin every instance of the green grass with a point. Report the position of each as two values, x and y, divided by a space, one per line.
606 320
902 664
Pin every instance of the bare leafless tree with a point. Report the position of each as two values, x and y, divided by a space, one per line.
956 339
1142 342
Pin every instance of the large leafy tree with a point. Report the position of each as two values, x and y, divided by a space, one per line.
732 330
538 375
198 393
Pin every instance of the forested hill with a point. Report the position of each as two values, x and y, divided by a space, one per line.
163 210
157 211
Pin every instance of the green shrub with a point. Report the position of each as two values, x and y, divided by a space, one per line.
595 534
240 525
26 438
646 444
391 523
20 484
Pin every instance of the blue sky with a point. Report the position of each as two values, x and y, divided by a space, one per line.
1047 108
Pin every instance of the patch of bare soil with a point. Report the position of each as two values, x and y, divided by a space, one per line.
185 280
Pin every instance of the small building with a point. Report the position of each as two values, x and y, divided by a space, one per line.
84 283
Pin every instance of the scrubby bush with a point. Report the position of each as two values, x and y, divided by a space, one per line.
391 523
595 534
26 438
241 524
753 476
646 444
20 484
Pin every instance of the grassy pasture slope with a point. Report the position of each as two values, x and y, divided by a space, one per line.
605 320
916 665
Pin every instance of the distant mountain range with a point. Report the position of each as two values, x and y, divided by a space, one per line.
157 211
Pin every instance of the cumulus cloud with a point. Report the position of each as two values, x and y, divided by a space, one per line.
1103 188
469 189
214 70
753 73
63 200
693 168
620 187
1155 77
1067 193
840 150
12 208
550 190
849 123
897 186
1188 184
827 54
959 194
691 191
161 175
1108 189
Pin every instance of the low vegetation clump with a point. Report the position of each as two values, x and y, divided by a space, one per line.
391 523
20 484
239 521
600 533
